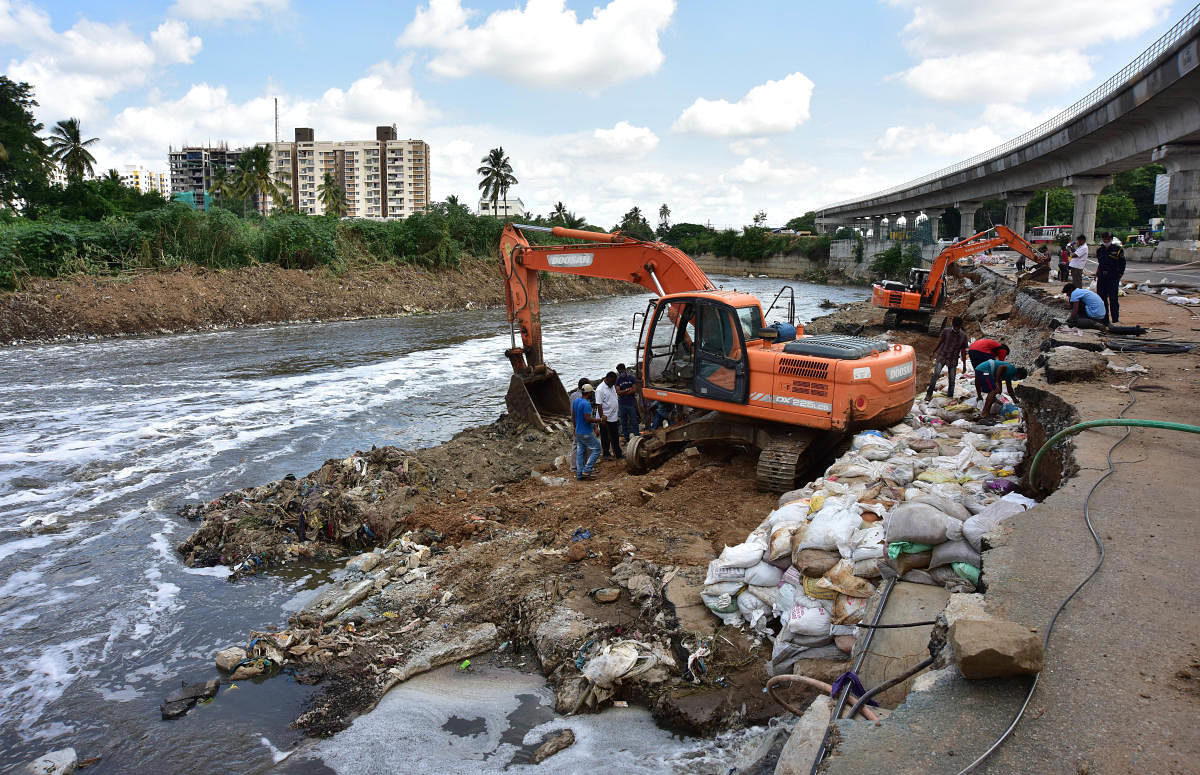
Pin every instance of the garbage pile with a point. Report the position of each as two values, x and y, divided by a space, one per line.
347 504
912 502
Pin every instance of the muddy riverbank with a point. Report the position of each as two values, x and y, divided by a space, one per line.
192 298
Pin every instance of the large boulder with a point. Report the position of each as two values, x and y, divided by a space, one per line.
993 648
1072 364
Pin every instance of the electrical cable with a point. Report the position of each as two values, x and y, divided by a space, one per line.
1087 518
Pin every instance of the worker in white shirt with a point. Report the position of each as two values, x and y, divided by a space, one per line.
1078 259
607 406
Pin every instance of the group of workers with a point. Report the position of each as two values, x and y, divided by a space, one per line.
1102 306
988 360
605 418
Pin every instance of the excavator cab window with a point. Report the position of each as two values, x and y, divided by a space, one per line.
670 352
721 364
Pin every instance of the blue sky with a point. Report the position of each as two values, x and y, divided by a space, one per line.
718 109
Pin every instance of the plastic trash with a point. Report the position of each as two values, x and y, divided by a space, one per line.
719 572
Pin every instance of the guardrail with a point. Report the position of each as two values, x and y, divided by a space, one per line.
1100 93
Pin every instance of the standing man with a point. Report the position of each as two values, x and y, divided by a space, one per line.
1064 263
608 407
576 393
1078 260
587 446
1084 305
1110 265
951 347
982 350
991 374
627 406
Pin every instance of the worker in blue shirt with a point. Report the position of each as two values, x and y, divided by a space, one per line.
989 375
627 408
1084 305
587 446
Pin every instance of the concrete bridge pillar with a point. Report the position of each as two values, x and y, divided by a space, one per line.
909 221
1182 227
967 211
1086 191
1014 216
876 227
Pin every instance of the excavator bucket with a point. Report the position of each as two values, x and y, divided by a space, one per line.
539 399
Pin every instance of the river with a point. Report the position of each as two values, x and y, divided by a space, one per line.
101 442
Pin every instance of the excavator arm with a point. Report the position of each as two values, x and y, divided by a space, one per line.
657 267
977 244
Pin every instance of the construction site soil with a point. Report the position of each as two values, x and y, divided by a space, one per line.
487 543
193 298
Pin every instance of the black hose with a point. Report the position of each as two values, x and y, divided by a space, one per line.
896 626
888 684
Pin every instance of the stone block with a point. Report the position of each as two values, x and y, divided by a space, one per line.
1072 364
228 658
991 648
60 762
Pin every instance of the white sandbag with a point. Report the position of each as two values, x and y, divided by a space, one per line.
797 511
753 610
720 604
743 555
808 620
849 610
868 543
987 520
763 575
841 578
921 523
769 595
719 572
831 529
791 576
785 600
724 588
793 495
1007 456
781 541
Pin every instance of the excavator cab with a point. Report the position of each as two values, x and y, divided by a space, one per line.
698 346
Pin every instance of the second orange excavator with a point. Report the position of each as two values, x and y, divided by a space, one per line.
918 299
709 350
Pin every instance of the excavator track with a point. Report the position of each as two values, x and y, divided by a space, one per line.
780 463
891 319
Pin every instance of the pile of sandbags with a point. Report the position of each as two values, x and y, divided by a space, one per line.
912 502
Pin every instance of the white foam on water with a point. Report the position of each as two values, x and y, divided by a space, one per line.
36 682
624 740
276 755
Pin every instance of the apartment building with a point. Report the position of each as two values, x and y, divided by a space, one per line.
191 170
512 208
146 181
383 178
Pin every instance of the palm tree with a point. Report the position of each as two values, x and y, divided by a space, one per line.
223 184
333 198
559 213
113 175
253 179
664 217
496 177
69 149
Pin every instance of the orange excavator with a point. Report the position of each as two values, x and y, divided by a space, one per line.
707 349
917 300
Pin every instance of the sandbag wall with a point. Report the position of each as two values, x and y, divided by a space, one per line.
912 502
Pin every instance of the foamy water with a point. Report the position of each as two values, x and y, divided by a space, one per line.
100 442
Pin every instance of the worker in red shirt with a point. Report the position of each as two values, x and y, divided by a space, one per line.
981 351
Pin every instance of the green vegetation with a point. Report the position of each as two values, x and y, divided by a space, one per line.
895 262
70 150
1127 203
496 176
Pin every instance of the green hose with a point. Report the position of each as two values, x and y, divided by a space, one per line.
1083 426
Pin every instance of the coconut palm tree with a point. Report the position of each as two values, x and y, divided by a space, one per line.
223 184
252 179
496 177
333 198
559 213
68 148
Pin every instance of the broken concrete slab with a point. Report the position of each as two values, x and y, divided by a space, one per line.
180 701
332 602
801 748
364 562
1072 364
1084 340
992 648
693 615
894 651
606 595
60 762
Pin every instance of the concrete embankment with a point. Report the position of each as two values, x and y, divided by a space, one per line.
1122 669
192 298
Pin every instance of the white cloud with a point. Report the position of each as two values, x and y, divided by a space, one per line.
225 10
967 54
623 141
748 146
999 123
754 170
544 44
75 71
205 113
774 107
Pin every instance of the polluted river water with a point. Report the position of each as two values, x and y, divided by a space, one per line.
101 442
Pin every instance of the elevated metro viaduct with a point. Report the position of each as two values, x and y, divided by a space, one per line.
1148 112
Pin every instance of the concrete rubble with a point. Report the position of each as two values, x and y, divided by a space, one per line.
991 648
